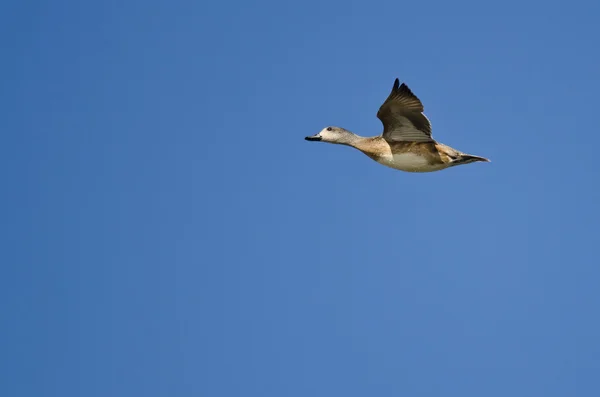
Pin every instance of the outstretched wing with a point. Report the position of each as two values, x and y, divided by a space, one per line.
402 116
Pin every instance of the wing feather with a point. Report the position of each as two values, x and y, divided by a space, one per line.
402 116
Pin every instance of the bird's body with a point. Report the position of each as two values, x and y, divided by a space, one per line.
406 143
412 156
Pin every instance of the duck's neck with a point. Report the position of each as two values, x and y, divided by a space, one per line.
351 139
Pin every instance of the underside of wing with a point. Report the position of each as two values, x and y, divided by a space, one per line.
402 116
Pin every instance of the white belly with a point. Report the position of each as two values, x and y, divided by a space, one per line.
411 162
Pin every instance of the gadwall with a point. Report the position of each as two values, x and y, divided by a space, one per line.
406 143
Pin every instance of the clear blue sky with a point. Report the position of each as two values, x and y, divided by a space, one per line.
166 230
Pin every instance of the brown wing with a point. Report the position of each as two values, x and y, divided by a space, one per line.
402 116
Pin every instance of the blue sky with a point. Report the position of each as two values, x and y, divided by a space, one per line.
167 231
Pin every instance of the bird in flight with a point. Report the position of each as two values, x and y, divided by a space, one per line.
406 143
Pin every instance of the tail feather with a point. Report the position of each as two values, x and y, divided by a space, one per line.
468 158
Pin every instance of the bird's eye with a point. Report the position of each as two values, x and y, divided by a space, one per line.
329 128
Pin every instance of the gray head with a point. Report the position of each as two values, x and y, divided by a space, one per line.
334 135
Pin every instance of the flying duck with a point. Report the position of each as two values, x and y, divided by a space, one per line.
406 143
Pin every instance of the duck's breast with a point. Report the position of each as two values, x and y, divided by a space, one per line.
412 162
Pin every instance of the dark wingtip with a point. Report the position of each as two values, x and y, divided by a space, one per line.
396 84
404 88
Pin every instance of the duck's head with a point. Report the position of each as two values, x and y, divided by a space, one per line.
333 135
